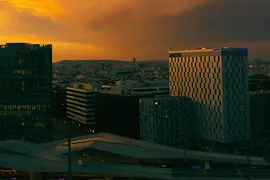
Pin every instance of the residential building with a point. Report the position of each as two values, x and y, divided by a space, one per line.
216 80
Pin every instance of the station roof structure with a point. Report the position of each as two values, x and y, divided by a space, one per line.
51 157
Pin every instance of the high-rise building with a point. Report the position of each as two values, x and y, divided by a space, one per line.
217 81
26 86
165 120
81 105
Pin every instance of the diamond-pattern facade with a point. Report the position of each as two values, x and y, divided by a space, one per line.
217 82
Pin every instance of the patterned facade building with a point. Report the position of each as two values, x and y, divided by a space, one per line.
217 82
164 120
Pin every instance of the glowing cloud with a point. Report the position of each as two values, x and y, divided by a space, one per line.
84 11
88 29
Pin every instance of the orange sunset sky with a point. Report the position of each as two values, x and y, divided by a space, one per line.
121 29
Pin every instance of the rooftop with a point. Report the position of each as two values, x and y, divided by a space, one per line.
24 45
120 146
206 50
84 87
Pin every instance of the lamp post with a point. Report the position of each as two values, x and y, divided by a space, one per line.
69 151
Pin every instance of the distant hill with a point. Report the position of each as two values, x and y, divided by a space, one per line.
87 63
67 62
99 62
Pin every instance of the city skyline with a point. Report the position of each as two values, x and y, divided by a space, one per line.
122 29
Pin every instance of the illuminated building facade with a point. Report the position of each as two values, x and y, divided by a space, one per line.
26 86
217 82
81 105
164 120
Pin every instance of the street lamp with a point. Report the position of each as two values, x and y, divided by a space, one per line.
69 151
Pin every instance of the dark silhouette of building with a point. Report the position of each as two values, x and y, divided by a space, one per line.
165 120
259 82
25 93
134 60
59 103
259 114
118 115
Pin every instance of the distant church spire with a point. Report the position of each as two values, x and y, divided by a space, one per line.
134 59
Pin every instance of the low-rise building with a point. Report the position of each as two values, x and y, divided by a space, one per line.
81 104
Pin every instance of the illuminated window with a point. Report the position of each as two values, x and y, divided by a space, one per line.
21 61
21 72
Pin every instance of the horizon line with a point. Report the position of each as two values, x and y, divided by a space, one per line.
109 60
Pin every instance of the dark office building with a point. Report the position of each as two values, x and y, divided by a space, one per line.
165 120
25 93
259 82
118 115
259 114
59 103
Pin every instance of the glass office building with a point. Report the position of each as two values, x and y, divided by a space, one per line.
26 86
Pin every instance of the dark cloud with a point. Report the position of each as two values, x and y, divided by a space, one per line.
222 23
227 21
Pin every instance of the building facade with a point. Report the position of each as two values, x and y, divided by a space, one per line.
118 115
26 87
59 103
217 82
259 114
165 120
81 104
140 88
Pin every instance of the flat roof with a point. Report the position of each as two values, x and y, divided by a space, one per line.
205 50
165 97
82 89
24 45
